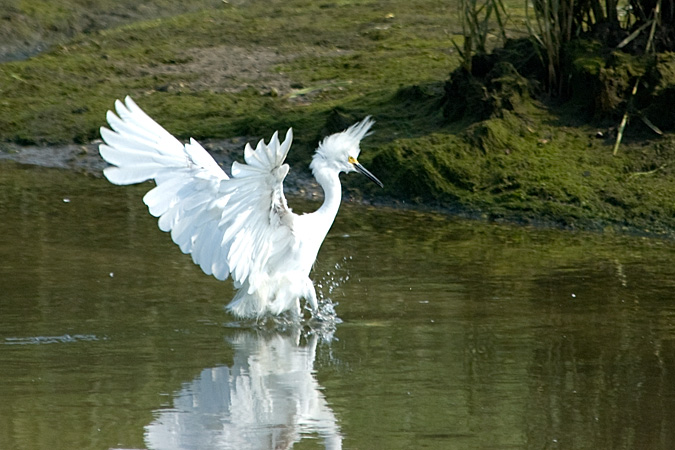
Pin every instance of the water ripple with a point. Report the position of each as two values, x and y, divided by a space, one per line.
63 339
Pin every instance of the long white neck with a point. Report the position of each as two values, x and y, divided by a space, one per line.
329 180
312 228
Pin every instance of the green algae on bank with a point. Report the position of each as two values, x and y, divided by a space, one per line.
506 155
537 174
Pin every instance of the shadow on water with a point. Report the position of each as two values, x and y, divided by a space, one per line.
453 335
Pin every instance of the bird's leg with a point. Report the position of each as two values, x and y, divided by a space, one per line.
297 311
311 298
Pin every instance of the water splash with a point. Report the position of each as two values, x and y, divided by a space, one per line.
325 320
321 323
332 280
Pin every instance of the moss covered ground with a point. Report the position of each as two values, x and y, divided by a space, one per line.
245 68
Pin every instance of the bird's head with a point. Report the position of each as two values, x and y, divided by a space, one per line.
340 151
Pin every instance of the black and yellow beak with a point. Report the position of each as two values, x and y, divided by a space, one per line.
359 168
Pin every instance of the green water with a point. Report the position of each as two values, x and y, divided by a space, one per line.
455 335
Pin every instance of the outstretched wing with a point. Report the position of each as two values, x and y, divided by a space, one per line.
229 225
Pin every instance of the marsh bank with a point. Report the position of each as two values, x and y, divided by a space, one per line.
249 68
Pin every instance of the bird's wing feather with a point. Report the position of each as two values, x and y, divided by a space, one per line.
229 225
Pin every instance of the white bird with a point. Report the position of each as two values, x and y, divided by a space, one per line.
238 226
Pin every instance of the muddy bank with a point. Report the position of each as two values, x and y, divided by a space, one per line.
29 28
85 159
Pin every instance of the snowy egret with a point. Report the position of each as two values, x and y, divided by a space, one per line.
238 226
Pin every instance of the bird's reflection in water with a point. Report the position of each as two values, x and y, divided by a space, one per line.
267 399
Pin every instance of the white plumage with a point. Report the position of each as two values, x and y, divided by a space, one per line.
238 226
